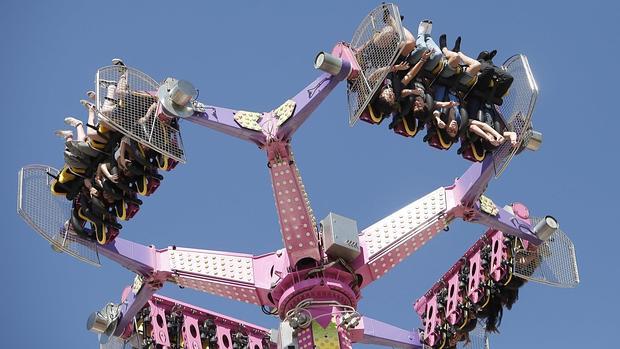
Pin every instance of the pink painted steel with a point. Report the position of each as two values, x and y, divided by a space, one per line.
431 322
344 52
305 339
191 333
520 210
297 223
344 338
224 339
159 331
332 286
390 240
475 291
168 304
454 299
499 255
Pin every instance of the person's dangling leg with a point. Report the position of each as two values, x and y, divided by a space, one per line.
79 127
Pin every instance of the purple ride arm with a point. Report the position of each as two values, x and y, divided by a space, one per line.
467 191
371 331
237 276
393 238
306 101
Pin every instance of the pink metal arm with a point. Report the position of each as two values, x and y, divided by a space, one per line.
166 322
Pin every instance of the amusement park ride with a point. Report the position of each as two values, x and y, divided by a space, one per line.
313 284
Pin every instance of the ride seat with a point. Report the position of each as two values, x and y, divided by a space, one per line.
370 116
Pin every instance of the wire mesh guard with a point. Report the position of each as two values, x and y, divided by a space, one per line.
47 213
517 109
124 98
478 338
377 42
553 263
118 343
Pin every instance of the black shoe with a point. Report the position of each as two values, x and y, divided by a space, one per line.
492 54
457 45
483 56
442 41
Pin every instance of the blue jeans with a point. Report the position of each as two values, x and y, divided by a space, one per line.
425 43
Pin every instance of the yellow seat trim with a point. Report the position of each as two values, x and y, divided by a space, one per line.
410 132
374 118
444 144
474 151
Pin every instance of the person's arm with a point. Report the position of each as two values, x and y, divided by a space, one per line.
376 75
440 123
448 104
122 161
89 185
106 172
409 92
148 114
413 72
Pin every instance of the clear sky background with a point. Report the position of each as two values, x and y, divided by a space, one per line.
254 55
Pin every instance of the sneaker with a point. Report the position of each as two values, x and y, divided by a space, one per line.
457 45
442 41
118 61
429 27
422 28
64 133
87 104
92 95
106 83
71 121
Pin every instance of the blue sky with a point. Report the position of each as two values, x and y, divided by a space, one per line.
254 55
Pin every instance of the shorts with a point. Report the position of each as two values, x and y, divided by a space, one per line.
80 148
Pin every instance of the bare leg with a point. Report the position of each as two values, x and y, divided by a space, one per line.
91 132
409 43
475 128
453 58
148 114
79 128
108 102
473 66
123 85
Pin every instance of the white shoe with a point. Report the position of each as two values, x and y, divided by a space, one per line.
425 27
71 121
118 61
86 104
92 95
64 133
422 28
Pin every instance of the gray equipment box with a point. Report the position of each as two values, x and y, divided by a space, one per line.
340 237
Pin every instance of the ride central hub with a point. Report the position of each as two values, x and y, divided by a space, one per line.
338 287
